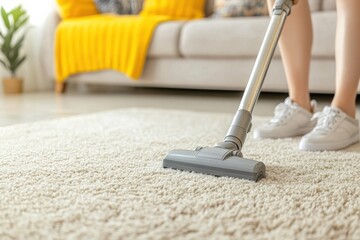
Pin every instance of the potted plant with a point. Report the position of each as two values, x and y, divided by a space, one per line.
11 41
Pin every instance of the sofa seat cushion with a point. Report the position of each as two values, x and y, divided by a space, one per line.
324 28
165 41
242 37
329 5
315 5
224 37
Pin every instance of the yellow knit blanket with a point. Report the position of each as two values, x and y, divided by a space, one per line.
101 42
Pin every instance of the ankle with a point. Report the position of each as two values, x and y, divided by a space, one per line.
304 103
349 109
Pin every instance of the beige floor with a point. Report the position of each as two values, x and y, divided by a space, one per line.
31 107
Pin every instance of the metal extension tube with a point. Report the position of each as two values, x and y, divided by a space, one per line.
241 124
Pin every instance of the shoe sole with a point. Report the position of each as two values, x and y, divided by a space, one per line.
329 146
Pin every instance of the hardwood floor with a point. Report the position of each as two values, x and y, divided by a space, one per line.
31 107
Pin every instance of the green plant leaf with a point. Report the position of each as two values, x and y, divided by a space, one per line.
19 42
14 67
4 64
21 22
5 18
13 20
14 54
6 47
16 13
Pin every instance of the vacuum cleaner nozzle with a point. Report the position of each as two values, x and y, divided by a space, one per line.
215 161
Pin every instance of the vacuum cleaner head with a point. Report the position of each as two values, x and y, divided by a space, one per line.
226 159
215 161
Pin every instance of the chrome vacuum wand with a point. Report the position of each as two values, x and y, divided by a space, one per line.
241 124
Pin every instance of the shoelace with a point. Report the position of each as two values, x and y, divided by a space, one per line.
281 113
326 120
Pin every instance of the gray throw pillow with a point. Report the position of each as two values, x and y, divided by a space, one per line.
122 7
240 8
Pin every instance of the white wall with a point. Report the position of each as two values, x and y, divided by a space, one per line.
31 71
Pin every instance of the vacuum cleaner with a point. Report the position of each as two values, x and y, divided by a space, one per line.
225 158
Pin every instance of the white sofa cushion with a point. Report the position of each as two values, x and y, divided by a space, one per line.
328 5
315 5
324 27
224 37
235 37
165 40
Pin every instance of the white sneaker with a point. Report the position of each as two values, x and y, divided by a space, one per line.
334 130
289 120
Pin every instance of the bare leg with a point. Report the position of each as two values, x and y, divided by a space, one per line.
347 55
295 47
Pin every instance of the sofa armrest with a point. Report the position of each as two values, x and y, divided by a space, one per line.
47 45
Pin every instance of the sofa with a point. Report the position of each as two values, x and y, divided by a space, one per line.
214 53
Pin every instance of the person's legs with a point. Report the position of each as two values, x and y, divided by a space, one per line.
347 55
295 47
294 116
337 127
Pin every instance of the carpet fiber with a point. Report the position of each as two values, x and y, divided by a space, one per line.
100 176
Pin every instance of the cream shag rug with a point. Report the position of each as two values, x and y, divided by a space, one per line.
100 176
